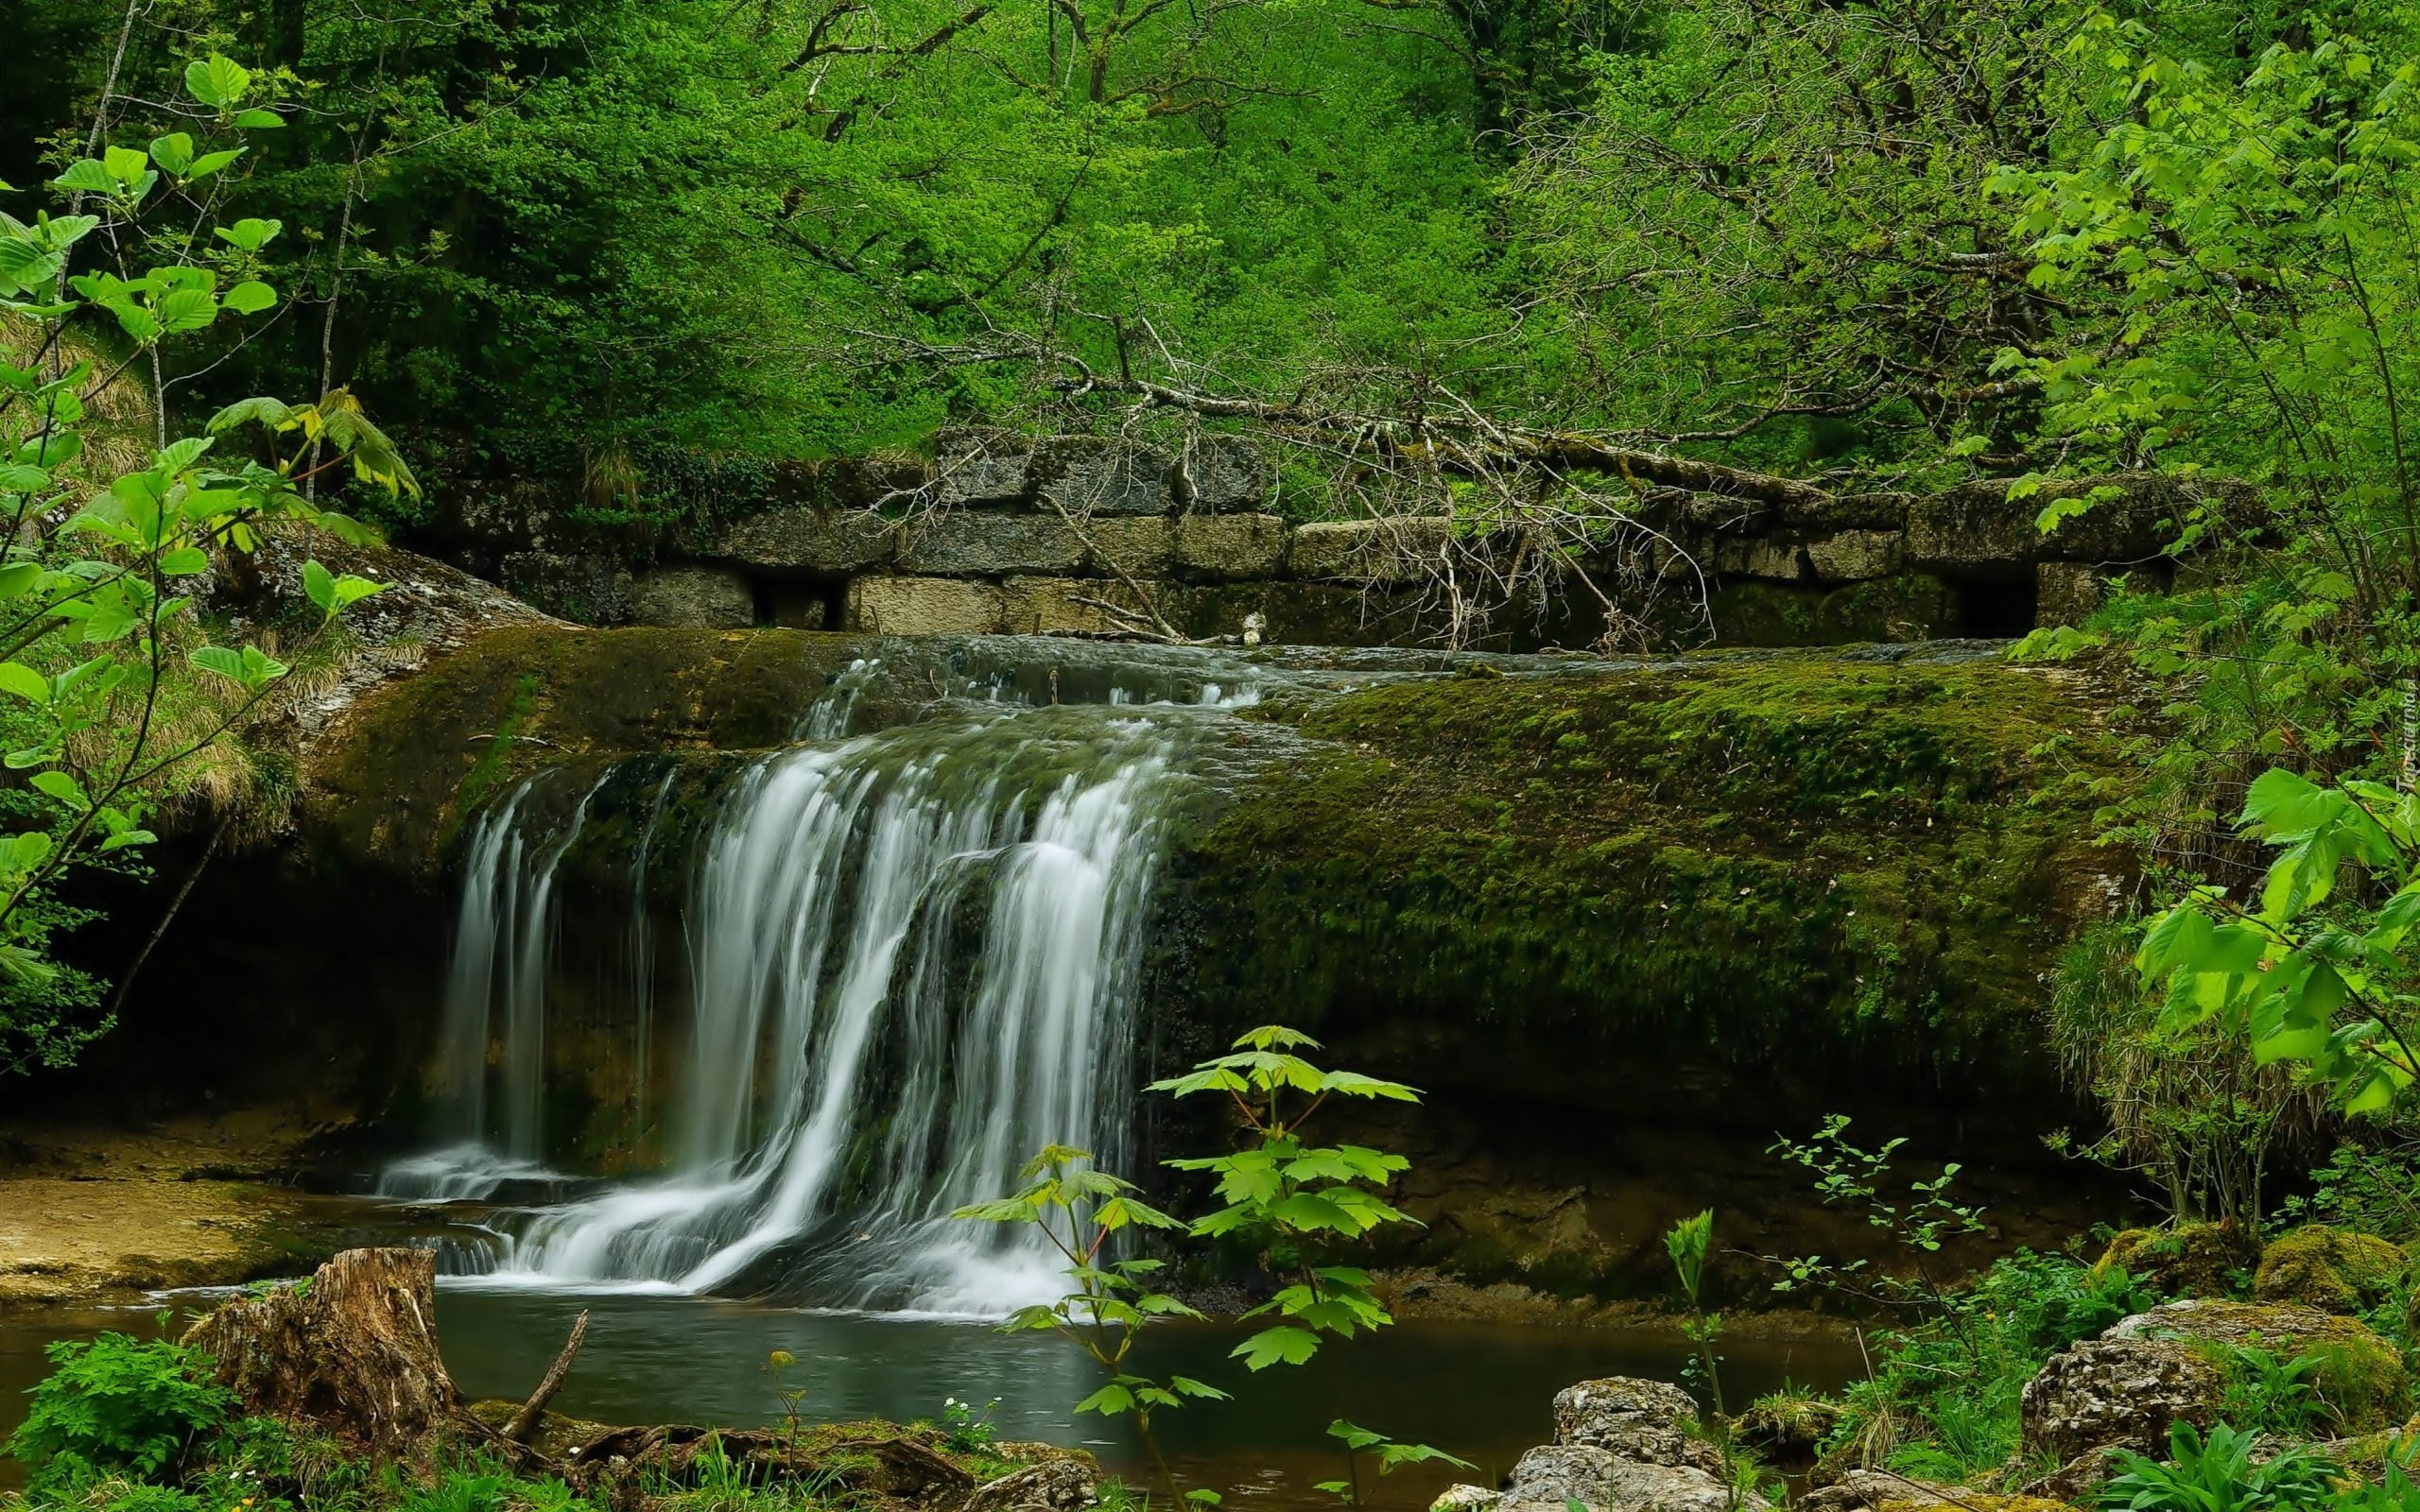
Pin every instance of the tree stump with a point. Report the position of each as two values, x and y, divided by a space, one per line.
352 1355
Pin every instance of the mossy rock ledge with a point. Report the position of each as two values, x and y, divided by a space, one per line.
1622 922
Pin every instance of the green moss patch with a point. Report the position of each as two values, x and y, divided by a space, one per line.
1750 854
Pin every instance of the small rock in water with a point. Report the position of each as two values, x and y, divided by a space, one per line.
1465 1498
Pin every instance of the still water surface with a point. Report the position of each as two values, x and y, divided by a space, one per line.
1481 1391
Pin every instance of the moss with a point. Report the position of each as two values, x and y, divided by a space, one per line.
2190 1260
1752 854
2332 1269
2361 1377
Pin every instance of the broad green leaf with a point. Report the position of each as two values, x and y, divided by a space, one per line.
250 298
184 562
23 681
259 120
86 177
184 310
19 579
210 162
173 152
57 784
320 586
217 82
1278 1346
249 235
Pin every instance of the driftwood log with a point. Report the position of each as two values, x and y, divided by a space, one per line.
352 1352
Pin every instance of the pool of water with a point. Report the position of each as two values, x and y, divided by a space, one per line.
1481 1391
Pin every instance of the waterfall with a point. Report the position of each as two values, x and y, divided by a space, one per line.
913 959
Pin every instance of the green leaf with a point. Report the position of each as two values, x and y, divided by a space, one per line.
210 162
258 120
320 585
217 82
250 298
17 478
1277 1345
173 152
64 788
126 166
184 310
18 579
184 562
1110 1400
249 235
87 176
23 681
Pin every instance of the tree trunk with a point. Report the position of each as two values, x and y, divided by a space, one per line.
352 1352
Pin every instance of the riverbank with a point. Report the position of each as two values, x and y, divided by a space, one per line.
94 1213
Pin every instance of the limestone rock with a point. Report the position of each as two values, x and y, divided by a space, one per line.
1103 476
1053 1485
2331 1269
1139 548
980 544
1401 549
708 598
1635 1419
1059 605
1224 475
2360 1376
2067 592
981 465
2123 1391
1789 1425
1855 555
924 605
1862 1489
1465 1498
590 588
809 539
1553 1475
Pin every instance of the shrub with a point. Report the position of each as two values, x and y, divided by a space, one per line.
117 1404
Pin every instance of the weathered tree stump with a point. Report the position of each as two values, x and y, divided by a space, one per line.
351 1353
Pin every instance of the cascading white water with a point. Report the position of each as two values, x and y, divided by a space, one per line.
913 960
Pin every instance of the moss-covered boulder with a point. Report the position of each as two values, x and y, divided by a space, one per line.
2332 1269
2190 1260
2360 1377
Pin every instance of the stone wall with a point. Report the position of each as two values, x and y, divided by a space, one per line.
996 532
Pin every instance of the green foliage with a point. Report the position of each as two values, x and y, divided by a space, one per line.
1080 1210
968 1428
1389 1454
117 1405
1290 1200
111 693
1918 1225
2306 974
2218 1474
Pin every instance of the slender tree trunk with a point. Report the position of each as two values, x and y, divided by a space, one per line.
151 941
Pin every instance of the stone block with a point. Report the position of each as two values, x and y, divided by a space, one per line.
1103 476
808 540
1229 547
1404 549
981 466
1058 606
1224 474
1855 555
588 588
1141 546
925 606
1769 561
980 543
2067 592
706 598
